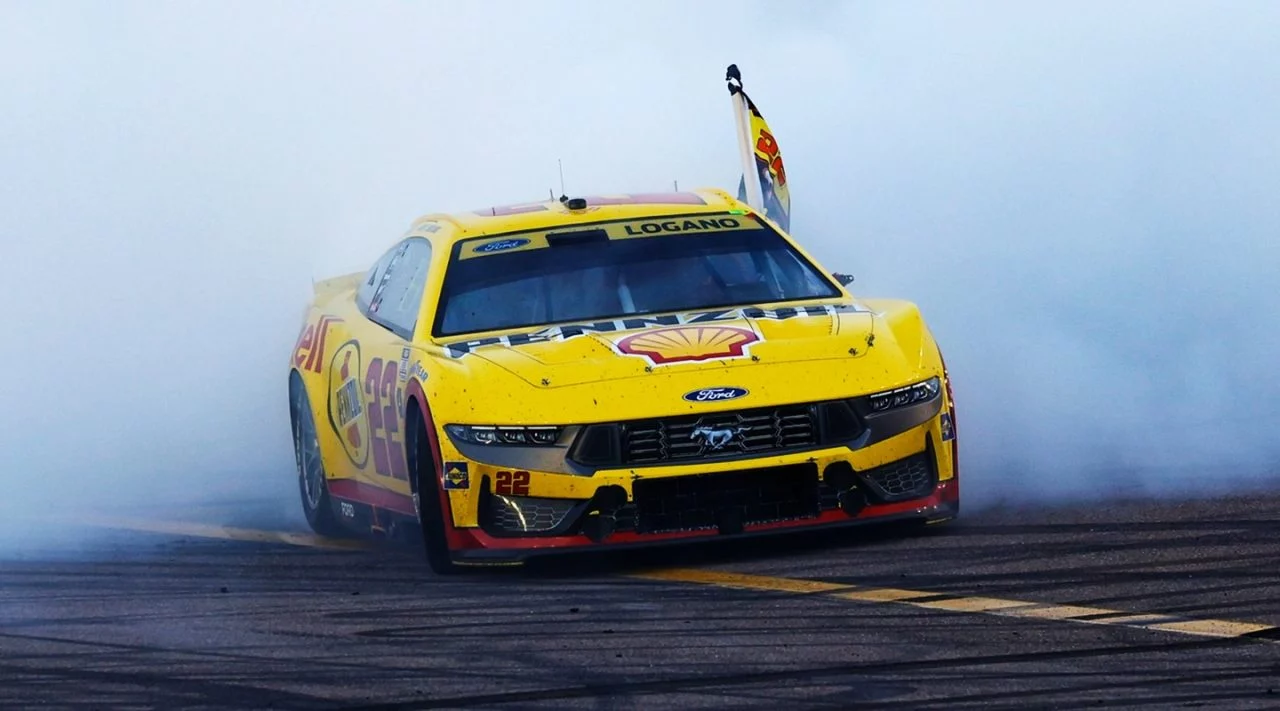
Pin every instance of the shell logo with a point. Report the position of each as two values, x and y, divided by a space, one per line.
681 344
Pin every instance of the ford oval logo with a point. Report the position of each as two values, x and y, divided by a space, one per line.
715 394
500 245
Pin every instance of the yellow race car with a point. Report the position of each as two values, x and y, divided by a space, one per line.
613 371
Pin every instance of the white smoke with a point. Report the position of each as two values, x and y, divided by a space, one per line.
1080 198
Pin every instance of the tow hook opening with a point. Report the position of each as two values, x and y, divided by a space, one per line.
601 519
841 477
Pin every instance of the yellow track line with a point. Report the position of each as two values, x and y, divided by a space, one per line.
963 603
915 598
202 530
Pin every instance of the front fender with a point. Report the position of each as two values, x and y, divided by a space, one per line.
906 331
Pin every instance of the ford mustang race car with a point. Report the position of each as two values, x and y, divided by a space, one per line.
603 372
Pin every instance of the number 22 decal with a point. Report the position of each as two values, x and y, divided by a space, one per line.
511 484
384 420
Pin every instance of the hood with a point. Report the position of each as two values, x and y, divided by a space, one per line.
565 356
671 364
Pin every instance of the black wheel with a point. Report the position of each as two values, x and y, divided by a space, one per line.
312 484
426 494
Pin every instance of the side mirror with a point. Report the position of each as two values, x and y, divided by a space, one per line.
844 279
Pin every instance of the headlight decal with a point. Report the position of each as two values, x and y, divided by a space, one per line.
908 395
542 436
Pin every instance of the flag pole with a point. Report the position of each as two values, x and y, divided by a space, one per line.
742 117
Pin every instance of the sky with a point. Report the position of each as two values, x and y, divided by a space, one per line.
1079 196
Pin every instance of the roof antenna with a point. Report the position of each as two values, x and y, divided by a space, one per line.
563 196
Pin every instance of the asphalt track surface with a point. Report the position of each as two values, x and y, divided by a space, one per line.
1144 605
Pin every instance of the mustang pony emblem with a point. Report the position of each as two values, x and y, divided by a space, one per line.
715 438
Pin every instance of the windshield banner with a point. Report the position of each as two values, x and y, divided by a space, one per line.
621 229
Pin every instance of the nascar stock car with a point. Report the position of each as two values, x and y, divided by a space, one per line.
619 370
610 371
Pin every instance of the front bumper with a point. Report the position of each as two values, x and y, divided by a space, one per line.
909 476
941 506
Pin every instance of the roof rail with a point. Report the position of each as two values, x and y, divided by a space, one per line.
439 217
718 192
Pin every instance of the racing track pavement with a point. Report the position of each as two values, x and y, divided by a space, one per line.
1179 603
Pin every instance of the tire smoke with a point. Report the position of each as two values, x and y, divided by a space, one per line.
1082 200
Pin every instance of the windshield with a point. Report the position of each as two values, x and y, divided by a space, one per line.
620 269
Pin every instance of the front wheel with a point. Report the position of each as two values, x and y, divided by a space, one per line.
427 495
312 483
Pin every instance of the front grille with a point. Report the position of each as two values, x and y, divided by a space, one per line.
525 514
721 434
908 478
726 501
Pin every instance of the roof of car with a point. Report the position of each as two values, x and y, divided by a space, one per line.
544 215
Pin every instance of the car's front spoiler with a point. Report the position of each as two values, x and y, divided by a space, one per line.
943 504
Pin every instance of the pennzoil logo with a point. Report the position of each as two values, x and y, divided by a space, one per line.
346 406
684 344
458 349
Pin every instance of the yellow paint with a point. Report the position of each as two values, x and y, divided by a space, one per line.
1140 620
740 580
1055 612
883 595
549 379
1210 628
230 533
972 604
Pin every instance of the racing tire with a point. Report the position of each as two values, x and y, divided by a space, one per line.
427 494
313 485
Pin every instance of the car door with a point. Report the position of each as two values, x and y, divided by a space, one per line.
390 299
